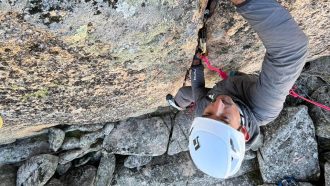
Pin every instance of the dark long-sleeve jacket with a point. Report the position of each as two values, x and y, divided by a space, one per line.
261 97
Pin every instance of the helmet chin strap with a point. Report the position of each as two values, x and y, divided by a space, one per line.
242 127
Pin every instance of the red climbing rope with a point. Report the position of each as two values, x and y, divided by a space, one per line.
292 93
221 73
296 95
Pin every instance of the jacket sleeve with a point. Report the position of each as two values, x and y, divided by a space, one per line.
286 51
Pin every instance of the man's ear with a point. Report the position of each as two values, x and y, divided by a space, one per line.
245 133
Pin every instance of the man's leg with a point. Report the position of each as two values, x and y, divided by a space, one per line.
184 97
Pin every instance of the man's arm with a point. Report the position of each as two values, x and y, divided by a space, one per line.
286 51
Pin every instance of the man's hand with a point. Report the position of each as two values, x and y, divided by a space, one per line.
237 2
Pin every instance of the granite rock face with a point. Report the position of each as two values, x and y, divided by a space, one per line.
143 137
37 170
174 170
289 147
82 62
81 176
180 135
137 161
105 170
8 175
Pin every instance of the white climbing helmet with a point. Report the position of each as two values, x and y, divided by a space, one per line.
216 148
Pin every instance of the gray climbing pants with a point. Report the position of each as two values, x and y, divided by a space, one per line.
184 96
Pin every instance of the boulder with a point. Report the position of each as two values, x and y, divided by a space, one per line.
82 161
178 170
143 137
8 175
180 135
108 128
56 137
283 153
70 143
78 153
327 174
105 170
80 176
83 141
321 117
137 161
37 170
23 149
88 139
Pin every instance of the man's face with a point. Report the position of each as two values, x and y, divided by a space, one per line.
223 109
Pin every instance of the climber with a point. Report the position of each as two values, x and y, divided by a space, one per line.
228 116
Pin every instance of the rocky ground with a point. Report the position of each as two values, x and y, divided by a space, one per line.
152 149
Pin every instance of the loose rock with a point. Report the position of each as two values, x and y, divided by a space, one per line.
105 170
177 170
54 182
137 161
23 149
144 137
84 141
80 176
180 135
81 161
37 170
63 168
74 154
70 143
283 153
108 128
87 140
56 137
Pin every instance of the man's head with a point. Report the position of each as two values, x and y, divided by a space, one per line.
217 139
223 108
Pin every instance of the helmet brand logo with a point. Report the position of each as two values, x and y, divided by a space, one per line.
196 143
